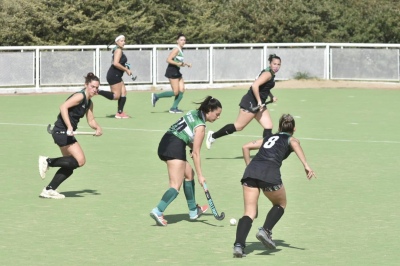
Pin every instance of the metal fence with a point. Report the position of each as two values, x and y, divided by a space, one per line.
55 68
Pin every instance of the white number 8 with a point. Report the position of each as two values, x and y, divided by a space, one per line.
270 142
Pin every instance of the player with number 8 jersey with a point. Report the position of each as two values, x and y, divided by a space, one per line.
263 174
265 165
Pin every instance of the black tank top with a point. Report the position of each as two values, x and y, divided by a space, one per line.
75 113
266 87
123 60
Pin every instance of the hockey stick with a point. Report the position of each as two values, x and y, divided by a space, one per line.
128 66
253 109
211 204
51 131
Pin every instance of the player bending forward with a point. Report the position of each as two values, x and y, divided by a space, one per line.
263 172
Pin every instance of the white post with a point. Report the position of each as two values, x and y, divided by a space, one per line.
37 70
211 65
154 66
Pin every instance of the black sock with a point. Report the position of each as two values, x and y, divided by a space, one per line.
226 130
61 175
242 230
267 133
66 162
121 104
273 217
107 94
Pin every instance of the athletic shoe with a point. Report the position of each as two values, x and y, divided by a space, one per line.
51 194
121 115
193 215
154 99
43 166
238 251
159 218
264 236
175 111
209 139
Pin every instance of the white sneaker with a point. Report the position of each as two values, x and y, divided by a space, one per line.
43 166
209 139
51 194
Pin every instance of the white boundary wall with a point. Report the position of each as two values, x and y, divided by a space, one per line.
61 68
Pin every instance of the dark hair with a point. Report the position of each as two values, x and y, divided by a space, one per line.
273 56
209 104
90 77
286 123
180 35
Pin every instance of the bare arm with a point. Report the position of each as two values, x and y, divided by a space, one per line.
198 141
246 148
117 57
295 144
264 77
71 102
272 97
171 56
92 122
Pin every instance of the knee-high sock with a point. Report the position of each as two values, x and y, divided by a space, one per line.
178 98
61 175
267 133
243 229
226 130
273 217
121 103
165 94
64 162
167 198
188 188
107 94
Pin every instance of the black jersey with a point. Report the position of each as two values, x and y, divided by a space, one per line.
75 113
266 163
123 60
266 87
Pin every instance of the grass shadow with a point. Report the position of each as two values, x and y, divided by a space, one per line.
176 218
227 158
258 246
80 193
113 116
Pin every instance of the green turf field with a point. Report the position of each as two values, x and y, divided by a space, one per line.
349 215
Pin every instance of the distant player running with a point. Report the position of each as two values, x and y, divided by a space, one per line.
189 130
175 62
263 173
118 66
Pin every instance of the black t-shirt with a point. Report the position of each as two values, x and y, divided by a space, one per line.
266 163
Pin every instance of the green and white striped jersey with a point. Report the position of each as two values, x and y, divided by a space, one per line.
179 57
185 126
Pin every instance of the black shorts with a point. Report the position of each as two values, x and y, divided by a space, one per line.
264 186
173 72
171 147
114 76
248 102
62 139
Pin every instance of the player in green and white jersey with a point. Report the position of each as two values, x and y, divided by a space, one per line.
175 62
189 130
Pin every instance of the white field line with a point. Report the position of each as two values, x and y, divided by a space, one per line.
233 135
